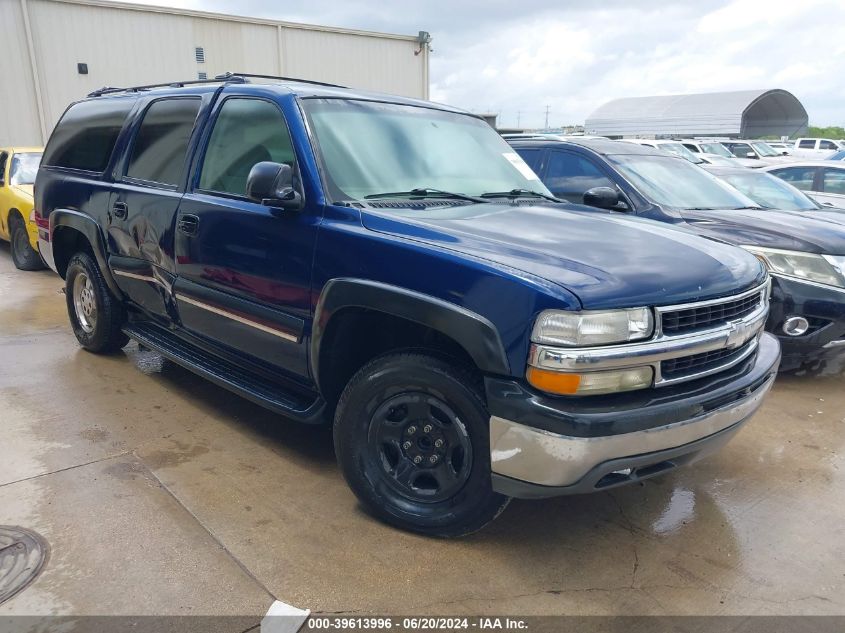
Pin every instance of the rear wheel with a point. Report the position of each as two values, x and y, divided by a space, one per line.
96 315
23 255
412 438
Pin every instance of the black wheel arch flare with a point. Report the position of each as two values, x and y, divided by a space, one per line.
475 333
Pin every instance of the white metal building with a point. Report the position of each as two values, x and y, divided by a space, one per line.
744 113
57 51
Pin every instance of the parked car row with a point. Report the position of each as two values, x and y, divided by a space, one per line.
395 269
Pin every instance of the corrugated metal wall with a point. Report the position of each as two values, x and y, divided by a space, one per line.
123 45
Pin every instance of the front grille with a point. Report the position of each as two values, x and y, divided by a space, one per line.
687 320
705 361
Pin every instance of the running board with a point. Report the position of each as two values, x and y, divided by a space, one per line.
248 384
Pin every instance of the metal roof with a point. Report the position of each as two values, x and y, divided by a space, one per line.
744 113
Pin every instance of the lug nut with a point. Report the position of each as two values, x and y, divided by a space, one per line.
417 459
406 445
412 430
438 443
433 459
427 428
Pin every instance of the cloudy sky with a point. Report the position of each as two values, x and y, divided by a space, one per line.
517 57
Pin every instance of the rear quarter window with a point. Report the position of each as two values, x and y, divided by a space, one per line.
85 136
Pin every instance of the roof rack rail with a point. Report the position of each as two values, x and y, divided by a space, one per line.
227 77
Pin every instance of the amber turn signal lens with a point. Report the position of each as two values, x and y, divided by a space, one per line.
553 381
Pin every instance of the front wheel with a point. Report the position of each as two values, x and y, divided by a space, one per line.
411 435
96 316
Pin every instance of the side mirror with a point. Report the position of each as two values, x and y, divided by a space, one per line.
271 184
751 155
602 197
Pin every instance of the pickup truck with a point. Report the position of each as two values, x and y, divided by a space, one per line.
816 148
392 267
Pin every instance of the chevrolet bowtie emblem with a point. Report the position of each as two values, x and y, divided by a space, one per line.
738 334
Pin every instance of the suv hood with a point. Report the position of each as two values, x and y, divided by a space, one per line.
790 230
606 260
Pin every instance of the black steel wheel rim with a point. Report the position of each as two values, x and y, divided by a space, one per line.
420 446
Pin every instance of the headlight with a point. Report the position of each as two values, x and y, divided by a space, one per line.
821 269
585 329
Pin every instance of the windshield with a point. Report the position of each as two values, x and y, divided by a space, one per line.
764 149
771 192
678 184
24 167
679 150
715 148
368 148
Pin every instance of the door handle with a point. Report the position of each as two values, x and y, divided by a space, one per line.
120 210
188 224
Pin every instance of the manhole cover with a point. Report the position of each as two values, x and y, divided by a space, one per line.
22 556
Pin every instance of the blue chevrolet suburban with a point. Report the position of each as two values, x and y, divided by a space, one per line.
392 267
804 252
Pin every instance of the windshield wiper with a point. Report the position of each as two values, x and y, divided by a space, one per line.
519 193
424 192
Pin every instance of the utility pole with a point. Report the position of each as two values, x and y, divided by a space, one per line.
547 117
518 117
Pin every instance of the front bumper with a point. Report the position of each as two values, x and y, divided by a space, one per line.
823 306
636 442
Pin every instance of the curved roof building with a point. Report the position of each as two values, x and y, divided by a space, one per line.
744 114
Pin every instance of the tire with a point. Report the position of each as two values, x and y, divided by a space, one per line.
408 406
96 315
23 255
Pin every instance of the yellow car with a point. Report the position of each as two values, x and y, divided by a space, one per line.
18 166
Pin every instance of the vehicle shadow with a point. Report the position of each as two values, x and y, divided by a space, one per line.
270 429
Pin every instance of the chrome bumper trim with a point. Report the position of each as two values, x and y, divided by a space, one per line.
45 248
545 458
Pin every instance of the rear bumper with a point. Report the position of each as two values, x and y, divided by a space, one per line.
528 461
45 247
823 306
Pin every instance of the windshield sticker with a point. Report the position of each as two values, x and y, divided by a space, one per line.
523 168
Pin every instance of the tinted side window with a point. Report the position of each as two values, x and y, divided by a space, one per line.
85 136
801 177
532 157
158 153
807 144
827 145
246 132
3 158
834 181
692 148
570 176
